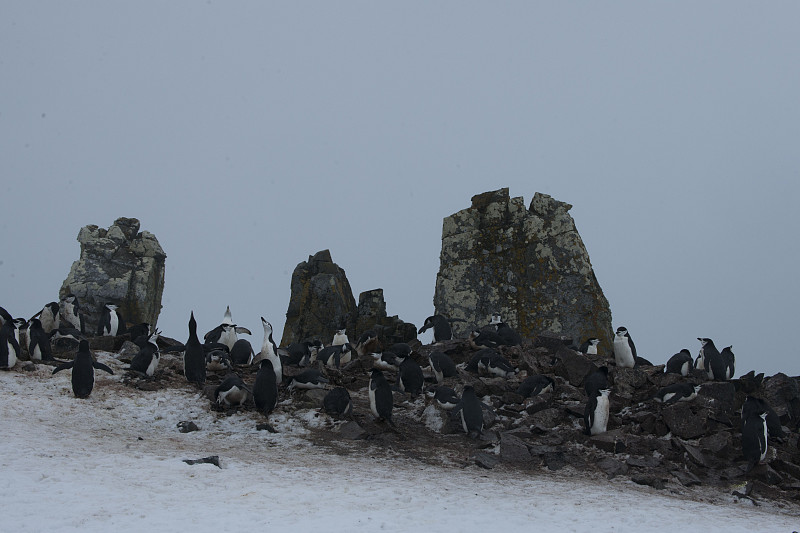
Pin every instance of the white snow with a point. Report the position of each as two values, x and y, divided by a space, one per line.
113 462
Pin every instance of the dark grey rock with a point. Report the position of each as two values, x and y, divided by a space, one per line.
119 265
547 418
486 460
573 366
555 460
610 441
321 301
529 265
212 459
723 394
352 431
652 481
612 467
682 422
513 449
628 381
686 478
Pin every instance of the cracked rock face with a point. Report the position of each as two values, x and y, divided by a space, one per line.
529 265
118 265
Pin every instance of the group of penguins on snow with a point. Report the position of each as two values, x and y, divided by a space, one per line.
223 349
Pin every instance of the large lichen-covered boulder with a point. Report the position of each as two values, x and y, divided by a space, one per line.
529 265
118 265
321 301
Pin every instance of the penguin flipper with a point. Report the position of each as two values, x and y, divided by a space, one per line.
240 329
63 366
101 366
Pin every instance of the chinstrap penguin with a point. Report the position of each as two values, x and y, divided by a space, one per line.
624 349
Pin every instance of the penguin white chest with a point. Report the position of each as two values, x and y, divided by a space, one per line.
12 355
114 320
151 368
373 407
601 412
622 353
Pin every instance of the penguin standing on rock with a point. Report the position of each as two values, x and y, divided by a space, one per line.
111 322
380 396
597 413
83 367
713 363
265 389
39 346
754 438
680 363
194 358
50 317
70 311
624 349
411 378
471 412
589 346
441 328
730 362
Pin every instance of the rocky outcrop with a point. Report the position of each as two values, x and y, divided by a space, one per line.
322 302
529 265
118 265
372 315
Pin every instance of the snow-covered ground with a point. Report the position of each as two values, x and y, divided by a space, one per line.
114 462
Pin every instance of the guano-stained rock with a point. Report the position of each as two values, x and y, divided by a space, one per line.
529 265
119 265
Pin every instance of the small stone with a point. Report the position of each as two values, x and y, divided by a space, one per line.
486 460
652 481
28 367
352 431
266 427
513 449
213 460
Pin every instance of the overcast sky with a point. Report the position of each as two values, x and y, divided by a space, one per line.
247 136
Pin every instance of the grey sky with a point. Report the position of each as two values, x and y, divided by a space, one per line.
248 136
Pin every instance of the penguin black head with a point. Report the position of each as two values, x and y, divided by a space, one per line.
622 331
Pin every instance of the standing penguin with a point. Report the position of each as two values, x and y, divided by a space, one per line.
146 360
336 355
50 318
340 337
70 312
624 349
730 362
713 363
471 412
754 439
242 352
39 346
265 389
597 413
380 396
194 358
755 406
411 378
9 347
111 322
680 363
269 350
441 328
83 370
589 346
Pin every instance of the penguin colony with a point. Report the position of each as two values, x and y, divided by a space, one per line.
393 376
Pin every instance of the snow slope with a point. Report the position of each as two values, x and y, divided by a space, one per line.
113 462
